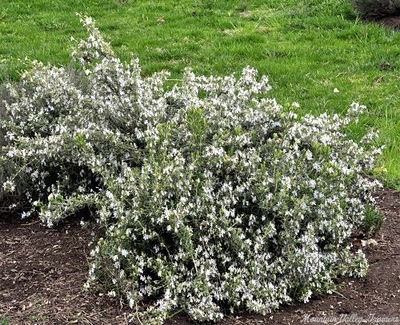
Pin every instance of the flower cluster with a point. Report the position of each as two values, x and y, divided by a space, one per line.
212 197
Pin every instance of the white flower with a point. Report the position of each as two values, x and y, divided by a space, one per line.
208 190
9 186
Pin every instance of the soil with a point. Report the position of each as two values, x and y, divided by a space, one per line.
42 272
392 22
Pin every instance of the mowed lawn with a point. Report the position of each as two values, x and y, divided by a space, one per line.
317 53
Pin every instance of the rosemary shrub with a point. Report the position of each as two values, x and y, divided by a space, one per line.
212 197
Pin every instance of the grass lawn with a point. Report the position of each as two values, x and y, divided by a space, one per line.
316 52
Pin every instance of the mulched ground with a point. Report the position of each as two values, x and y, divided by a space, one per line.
392 22
42 272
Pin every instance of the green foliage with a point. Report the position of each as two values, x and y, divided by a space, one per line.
211 197
4 320
377 9
373 221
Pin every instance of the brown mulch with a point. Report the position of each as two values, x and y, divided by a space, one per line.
42 272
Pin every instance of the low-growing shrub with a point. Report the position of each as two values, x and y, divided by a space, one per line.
211 197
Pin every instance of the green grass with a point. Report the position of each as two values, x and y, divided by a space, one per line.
307 48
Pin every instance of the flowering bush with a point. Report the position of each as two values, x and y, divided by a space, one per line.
211 197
